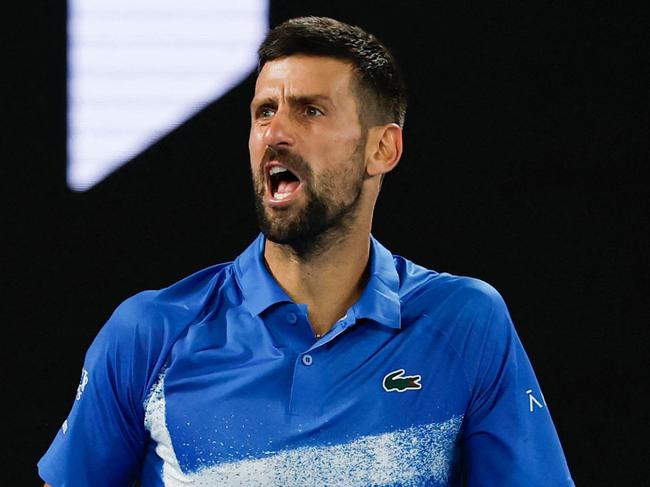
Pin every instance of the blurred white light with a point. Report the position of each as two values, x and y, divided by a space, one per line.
136 70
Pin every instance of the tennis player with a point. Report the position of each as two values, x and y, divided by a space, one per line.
317 357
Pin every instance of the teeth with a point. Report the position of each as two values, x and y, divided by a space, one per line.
280 196
277 169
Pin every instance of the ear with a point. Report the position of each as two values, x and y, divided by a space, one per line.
384 148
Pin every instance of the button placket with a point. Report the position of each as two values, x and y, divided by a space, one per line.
305 390
339 327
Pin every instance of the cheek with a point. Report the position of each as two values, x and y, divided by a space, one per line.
332 151
346 143
344 154
255 147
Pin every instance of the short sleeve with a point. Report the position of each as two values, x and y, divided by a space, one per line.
509 437
101 441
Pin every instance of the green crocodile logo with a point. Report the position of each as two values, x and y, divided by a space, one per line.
396 381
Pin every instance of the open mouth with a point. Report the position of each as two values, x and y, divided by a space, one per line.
282 183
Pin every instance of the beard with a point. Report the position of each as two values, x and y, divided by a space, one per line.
332 201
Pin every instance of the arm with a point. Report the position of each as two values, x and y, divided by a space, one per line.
509 438
102 440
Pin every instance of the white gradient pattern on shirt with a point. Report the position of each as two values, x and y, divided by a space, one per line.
407 457
155 423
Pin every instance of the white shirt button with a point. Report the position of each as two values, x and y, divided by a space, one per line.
292 318
307 359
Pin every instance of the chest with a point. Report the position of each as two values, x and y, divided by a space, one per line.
253 399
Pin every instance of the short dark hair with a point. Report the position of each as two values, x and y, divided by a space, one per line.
380 85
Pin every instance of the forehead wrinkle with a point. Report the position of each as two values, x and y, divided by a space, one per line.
295 99
307 98
284 77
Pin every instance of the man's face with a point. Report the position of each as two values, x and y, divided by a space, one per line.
306 148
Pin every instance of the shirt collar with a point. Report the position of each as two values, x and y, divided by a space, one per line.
258 286
379 300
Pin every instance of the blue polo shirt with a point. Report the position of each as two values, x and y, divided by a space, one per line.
219 380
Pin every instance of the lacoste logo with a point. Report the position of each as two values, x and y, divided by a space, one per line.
396 381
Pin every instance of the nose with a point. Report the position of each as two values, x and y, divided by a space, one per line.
279 131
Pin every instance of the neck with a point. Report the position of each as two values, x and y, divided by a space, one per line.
328 281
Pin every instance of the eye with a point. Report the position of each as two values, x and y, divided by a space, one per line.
312 111
264 112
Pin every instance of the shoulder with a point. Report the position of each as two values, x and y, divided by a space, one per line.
143 328
428 291
468 312
168 308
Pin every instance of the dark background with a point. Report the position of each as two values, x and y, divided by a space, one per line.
525 165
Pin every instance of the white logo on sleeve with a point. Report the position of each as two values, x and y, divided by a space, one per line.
532 400
82 383
64 427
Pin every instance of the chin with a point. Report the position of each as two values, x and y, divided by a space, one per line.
282 234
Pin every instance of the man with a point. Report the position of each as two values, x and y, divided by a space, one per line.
316 357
